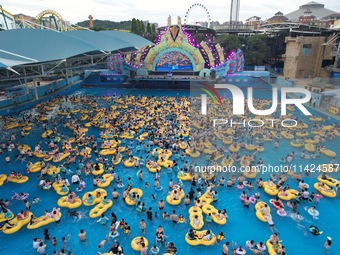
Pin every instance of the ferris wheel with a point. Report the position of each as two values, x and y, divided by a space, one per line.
196 6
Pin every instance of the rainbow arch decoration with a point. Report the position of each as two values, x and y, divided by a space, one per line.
174 40
176 50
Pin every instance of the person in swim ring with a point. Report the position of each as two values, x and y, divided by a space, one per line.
220 237
181 219
250 244
281 211
260 248
243 196
259 183
89 199
192 234
314 230
208 218
239 251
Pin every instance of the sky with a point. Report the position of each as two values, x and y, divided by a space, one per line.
156 10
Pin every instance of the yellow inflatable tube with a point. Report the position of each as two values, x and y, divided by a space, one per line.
42 221
172 201
195 154
258 208
36 167
288 195
135 243
9 217
53 170
108 178
196 242
130 201
200 219
153 169
165 163
3 178
184 176
325 190
100 208
64 202
18 224
62 157
271 250
16 180
130 162
106 152
328 152
329 181
100 171
96 199
58 188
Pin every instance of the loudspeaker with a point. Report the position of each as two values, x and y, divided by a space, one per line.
213 74
132 74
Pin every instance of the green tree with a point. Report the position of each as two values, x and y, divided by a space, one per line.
138 27
258 50
230 42
142 27
98 28
134 26
148 29
153 30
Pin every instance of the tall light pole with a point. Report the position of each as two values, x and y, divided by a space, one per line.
234 10
231 11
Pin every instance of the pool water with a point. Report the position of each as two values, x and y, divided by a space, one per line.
242 224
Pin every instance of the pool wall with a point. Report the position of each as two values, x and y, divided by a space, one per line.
27 101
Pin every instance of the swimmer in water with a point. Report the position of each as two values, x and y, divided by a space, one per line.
78 215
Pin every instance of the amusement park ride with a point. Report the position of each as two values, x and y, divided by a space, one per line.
47 19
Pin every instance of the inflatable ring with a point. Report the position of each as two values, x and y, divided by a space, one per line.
96 200
18 224
107 179
159 188
64 202
252 200
130 201
47 187
155 252
259 214
17 180
325 190
100 171
42 221
271 249
58 188
135 243
100 208
195 242
314 214
272 201
282 214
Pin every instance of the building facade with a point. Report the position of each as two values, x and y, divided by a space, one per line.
308 57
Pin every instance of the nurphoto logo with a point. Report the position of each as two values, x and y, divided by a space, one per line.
238 100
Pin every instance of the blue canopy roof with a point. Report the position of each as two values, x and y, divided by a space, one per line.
104 41
26 46
136 40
